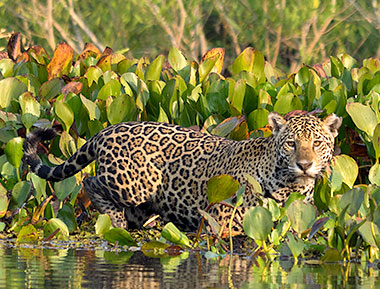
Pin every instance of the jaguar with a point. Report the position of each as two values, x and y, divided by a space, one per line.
146 168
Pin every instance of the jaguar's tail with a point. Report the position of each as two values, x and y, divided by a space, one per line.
84 156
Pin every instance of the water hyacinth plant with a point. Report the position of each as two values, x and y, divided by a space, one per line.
81 94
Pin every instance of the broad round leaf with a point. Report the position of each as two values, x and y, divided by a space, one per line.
20 192
176 59
91 107
111 88
103 224
64 188
14 151
3 201
93 74
257 223
10 88
221 187
301 216
353 199
244 62
347 168
363 116
120 108
67 215
287 102
51 88
65 113
52 225
119 235
27 234
295 245
374 174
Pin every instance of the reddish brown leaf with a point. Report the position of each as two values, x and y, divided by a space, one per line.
14 46
23 57
320 70
107 51
73 87
38 54
3 54
90 50
61 62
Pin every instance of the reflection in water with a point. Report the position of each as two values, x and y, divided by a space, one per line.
30 267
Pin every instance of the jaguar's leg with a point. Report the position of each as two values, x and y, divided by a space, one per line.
102 201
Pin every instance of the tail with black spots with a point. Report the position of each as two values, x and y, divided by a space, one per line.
84 156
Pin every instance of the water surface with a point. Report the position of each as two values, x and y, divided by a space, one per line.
93 265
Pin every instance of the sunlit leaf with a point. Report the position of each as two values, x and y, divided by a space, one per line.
111 88
103 224
27 234
14 151
295 244
347 168
93 74
244 61
10 88
119 235
3 201
331 255
171 233
154 70
119 108
91 107
56 224
65 113
287 102
6 67
374 174
376 140
363 116
61 62
176 59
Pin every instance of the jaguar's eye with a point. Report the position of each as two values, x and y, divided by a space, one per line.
317 143
291 143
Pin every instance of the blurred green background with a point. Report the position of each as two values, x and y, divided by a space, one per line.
288 32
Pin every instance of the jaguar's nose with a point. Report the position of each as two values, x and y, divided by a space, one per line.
304 165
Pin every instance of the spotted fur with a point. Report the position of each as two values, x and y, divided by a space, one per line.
147 167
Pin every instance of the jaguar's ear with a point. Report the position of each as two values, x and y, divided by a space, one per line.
276 121
332 123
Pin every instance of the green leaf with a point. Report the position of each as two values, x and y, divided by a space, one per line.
3 201
65 113
244 62
155 249
67 144
14 151
30 109
119 108
91 107
220 188
64 188
54 224
10 88
154 70
257 223
39 185
363 117
6 67
176 59
214 225
374 174
206 66
331 255
296 245
171 233
103 224
301 216
302 76
347 168
353 199
376 140
119 235
238 95
27 234
21 192
93 74
258 118
111 88
287 102
51 88
67 215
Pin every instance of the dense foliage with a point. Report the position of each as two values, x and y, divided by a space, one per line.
81 94
288 32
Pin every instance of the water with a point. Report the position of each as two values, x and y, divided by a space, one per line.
93 265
